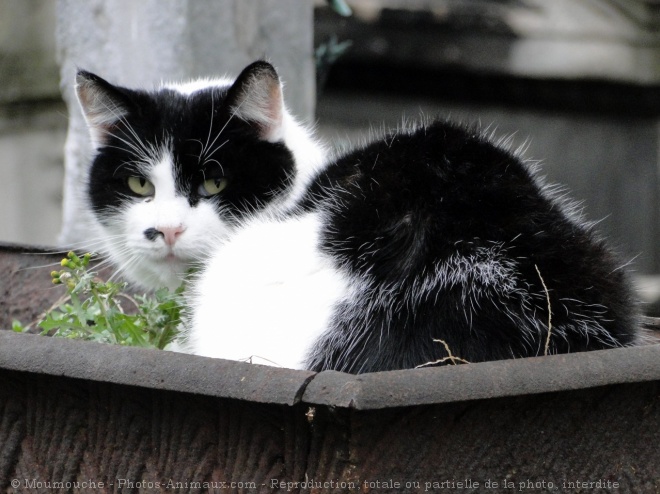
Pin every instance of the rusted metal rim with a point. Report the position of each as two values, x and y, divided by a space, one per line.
262 384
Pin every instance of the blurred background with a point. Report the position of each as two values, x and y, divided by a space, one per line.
577 82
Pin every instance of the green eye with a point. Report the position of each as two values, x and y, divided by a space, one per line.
141 186
212 186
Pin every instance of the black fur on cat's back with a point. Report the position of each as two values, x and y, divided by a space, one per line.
451 240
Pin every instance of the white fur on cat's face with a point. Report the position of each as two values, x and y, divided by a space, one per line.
163 261
155 264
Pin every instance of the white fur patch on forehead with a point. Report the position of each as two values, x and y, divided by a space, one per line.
162 176
191 87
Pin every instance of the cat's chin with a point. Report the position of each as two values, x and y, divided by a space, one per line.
173 268
164 272
173 260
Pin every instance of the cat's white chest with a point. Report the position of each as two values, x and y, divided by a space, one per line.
266 294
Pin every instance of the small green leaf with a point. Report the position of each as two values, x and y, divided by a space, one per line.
341 7
17 326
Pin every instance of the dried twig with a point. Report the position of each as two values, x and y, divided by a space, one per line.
251 360
547 297
450 357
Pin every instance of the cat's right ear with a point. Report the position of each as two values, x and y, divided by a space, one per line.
256 98
103 106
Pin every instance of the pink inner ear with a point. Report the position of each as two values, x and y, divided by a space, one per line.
101 126
100 110
259 101
272 130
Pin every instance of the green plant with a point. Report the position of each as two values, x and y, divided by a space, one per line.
92 310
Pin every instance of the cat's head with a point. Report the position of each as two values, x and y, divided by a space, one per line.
176 169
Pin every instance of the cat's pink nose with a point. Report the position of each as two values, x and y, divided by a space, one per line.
171 234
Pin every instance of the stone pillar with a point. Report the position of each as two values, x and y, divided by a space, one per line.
32 124
139 44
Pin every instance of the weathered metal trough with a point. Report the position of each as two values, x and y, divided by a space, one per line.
86 417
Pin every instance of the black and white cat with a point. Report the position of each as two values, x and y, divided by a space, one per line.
427 239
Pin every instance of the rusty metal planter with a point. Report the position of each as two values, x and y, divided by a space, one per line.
85 417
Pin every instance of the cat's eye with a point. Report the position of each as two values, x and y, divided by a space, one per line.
141 186
212 186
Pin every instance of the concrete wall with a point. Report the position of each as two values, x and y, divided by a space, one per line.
32 123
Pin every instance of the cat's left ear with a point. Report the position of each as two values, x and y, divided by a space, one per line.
103 105
256 97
